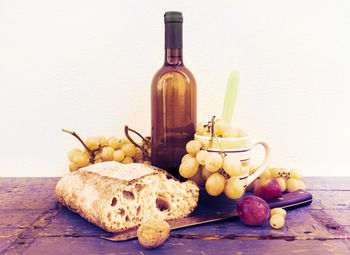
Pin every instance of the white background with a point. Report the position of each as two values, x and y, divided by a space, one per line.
87 66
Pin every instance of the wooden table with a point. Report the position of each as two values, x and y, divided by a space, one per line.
33 222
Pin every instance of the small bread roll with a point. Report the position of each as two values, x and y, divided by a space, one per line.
153 233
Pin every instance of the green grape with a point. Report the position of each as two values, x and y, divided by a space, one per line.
277 221
92 143
98 160
97 156
72 152
186 157
295 184
285 172
220 127
201 129
234 188
73 167
127 160
129 149
80 159
138 155
107 153
275 172
193 146
213 162
201 156
279 211
102 141
188 168
282 182
215 184
230 133
125 141
113 142
232 166
295 173
118 155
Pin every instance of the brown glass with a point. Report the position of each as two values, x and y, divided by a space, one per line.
173 112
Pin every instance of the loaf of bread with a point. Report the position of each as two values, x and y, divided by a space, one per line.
117 197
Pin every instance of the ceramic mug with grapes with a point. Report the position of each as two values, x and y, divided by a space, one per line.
224 186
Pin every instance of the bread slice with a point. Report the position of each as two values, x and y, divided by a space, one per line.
118 197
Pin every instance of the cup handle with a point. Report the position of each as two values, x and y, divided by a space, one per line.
261 169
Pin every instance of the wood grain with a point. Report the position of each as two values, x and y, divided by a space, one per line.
33 222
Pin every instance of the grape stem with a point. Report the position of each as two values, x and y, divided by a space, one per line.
212 128
75 134
126 131
214 136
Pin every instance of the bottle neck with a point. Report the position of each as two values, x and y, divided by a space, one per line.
173 44
173 57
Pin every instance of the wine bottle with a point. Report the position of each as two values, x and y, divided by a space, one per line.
173 101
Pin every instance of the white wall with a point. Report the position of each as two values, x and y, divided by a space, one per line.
87 66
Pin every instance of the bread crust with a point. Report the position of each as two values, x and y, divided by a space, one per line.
117 204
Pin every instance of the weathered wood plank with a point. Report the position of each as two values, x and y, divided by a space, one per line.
28 182
18 218
300 223
29 234
90 245
71 224
327 183
5 241
27 193
341 216
31 219
14 222
339 200
80 224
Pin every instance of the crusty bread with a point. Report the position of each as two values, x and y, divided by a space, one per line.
118 196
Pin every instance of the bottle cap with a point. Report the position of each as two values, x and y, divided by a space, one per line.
173 17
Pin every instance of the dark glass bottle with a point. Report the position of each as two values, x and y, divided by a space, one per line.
173 101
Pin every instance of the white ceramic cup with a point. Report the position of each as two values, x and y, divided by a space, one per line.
240 147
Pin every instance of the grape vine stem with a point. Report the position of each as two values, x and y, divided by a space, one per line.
75 134
126 131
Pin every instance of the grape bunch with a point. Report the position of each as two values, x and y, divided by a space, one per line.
217 172
99 148
288 180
